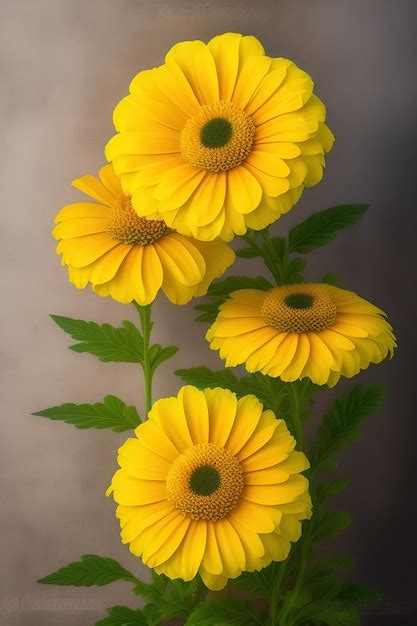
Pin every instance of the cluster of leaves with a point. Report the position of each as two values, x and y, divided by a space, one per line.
314 232
123 344
166 599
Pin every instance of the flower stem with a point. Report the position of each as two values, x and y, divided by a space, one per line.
296 415
146 326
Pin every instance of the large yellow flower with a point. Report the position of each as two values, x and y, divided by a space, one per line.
211 485
309 330
220 138
130 257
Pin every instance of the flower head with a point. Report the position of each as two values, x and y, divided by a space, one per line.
307 330
211 485
128 257
220 138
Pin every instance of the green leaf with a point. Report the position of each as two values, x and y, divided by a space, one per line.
123 344
111 413
222 288
330 524
320 228
159 354
225 611
123 616
220 291
295 269
173 598
327 567
330 279
91 570
341 424
247 253
323 491
332 613
266 389
356 594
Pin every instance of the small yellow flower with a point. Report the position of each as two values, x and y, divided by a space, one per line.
309 330
220 138
211 485
128 257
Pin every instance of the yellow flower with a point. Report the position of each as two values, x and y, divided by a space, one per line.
129 257
220 138
211 485
309 330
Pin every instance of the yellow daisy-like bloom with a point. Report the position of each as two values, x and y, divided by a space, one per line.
308 330
220 138
211 485
128 257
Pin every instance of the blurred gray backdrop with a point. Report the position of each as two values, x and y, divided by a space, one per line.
65 64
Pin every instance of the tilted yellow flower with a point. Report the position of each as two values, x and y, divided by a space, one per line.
220 138
308 330
211 485
128 257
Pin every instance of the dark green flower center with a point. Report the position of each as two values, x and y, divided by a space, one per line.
204 480
216 133
299 301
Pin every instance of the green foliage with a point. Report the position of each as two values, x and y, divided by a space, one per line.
173 598
259 584
158 355
327 567
91 570
225 611
333 603
111 413
220 291
324 490
329 523
266 389
341 424
321 227
123 344
123 616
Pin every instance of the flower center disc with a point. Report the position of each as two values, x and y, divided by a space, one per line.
205 482
299 308
126 226
218 138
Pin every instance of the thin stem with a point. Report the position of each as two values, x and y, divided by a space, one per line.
146 325
296 415
305 543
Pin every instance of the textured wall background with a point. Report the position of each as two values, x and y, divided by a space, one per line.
66 64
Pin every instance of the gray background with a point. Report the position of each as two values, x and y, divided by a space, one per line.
67 63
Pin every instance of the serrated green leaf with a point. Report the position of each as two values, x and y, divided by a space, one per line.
320 228
295 269
341 424
247 253
111 413
123 344
327 567
330 524
330 279
332 613
159 354
91 570
123 616
220 290
227 611
325 490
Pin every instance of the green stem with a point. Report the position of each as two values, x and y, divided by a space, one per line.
146 325
296 415
305 543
